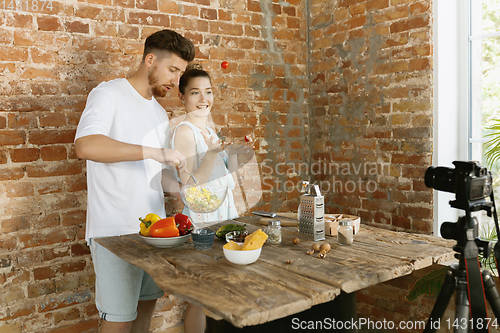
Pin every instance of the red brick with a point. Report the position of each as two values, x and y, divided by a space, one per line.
25 310
44 273
410 24
55 119
22 120
24 155
8 53
169 6
74 218
53 253
420 64
146 4
372 5
41 289
11 173
11 137
79 249
253 6
64 300
89 11
418 212
85 327
49 23
19 189
45 137
149 19
54 169
208 13
77 27
19 20
53 153
347 3
224 28
14 224
3 157
43 238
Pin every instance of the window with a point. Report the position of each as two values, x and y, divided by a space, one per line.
467 87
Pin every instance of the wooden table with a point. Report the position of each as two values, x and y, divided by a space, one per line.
271 288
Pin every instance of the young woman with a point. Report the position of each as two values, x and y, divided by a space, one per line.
207 159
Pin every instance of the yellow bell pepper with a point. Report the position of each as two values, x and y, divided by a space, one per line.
147 222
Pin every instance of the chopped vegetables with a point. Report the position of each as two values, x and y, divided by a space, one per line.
201 200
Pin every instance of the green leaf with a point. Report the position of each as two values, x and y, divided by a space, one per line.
492 146
429 284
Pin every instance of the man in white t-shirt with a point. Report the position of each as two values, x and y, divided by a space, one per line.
122 134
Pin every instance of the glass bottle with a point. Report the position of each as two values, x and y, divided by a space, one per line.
345 232
273 232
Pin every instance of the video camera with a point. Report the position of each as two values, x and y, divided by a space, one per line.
470 182
472 185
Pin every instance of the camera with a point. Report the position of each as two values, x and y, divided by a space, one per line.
470 182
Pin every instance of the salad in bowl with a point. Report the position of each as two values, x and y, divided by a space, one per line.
203 199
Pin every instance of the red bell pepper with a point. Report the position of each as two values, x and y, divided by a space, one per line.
183 223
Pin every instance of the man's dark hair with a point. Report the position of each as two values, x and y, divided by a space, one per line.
168 41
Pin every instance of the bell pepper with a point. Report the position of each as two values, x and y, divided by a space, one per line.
183 223
165 228
147 222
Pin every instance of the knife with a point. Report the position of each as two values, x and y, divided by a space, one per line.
271 215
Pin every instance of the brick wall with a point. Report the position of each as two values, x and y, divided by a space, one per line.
371 108
51 58
371 126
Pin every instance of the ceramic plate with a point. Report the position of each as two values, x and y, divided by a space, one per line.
166 242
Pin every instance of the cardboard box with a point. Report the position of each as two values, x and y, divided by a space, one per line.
332 223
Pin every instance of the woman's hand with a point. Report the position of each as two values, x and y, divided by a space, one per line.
214 144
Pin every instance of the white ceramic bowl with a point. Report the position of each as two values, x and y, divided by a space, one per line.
242 257
165 242
203 200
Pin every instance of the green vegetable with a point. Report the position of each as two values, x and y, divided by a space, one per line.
222 231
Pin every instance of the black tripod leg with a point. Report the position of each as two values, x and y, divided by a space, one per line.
442 301
462 311
491 292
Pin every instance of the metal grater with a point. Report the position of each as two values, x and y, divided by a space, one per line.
312 213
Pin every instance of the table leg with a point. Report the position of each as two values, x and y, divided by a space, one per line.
321 317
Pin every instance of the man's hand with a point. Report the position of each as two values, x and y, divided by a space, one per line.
166 156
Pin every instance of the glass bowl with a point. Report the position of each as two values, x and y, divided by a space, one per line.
203 199
236 236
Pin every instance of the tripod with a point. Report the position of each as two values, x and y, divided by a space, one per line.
456 279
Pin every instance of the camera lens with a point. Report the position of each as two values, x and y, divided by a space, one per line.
440 178
450 230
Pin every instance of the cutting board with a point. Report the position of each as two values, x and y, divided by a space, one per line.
293 222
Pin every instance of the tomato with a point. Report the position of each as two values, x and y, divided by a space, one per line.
224 64
165 228
183 223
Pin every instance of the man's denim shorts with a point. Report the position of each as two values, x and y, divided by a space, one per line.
119 286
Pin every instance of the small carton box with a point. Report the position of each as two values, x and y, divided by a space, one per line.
332 222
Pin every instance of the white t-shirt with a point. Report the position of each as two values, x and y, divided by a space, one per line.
119 193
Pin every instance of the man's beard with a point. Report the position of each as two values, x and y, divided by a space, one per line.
156 89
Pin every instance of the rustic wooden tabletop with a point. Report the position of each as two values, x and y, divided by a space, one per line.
271 288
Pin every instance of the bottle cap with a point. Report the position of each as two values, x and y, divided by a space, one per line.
274 223
345 222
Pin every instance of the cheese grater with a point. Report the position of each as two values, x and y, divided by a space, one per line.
312 213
